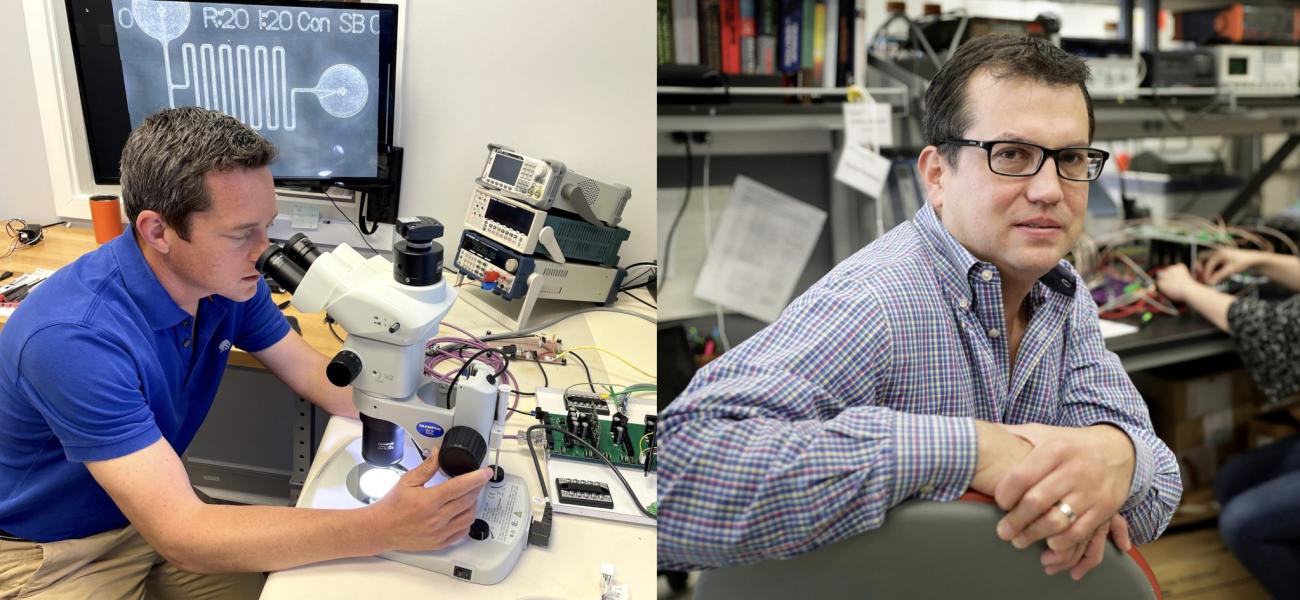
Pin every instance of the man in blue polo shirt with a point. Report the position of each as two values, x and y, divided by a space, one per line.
109 368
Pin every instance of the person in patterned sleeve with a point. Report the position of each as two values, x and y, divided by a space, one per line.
958 351
1257 489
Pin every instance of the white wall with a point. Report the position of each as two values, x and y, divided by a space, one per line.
24 175
571 80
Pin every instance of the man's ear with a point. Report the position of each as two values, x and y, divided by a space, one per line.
932 167
152 230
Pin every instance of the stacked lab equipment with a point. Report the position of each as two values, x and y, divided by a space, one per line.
536 229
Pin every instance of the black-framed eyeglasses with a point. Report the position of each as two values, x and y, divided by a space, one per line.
1022 159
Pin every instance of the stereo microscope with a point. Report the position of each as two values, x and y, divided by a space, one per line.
390 310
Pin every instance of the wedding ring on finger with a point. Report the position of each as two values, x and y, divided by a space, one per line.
1067 511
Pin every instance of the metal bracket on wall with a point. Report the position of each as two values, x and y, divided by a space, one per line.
1257 180
304 435
304 445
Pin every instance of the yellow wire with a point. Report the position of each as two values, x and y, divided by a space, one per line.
640 445
611 353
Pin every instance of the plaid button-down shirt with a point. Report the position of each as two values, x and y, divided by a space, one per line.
864 393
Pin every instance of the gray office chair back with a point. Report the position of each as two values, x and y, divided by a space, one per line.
929 550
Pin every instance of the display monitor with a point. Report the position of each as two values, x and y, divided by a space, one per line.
315 78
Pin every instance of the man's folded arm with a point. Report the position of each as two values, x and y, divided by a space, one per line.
1098 390
778 447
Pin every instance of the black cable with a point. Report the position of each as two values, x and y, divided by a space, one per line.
634 297
690 179
546 382
12 230
1155 99
13 246
361 215
345 216
330 322
644 284
538 466
504 365
590 383
631 283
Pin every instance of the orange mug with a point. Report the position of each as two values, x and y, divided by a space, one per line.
106 216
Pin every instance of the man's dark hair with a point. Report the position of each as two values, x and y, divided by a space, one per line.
947 109
166 158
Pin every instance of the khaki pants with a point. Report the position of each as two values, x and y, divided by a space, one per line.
112 565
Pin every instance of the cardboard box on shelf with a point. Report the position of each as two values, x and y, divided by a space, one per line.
1173 398
1203 417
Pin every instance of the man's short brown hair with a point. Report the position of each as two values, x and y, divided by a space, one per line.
947 110
166 158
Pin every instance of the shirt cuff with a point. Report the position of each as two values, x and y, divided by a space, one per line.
934 456
1143 466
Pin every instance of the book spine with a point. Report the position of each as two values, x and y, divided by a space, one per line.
844 54
686 32
806 39
831 59
748 38
711 33
768 21
790 35
665 32
730 36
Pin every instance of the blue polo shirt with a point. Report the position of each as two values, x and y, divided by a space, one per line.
99 362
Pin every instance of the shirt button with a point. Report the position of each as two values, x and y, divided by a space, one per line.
986 275
994 333
964 303
186 343
927 489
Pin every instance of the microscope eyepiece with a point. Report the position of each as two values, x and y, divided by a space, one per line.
275 263
301 251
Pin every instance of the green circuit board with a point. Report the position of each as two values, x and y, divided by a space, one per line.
616 453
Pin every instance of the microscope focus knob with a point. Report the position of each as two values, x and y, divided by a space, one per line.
462 451
343 368
479 530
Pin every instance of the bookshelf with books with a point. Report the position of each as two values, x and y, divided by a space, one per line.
767 43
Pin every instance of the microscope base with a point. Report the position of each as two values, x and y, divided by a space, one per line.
503 505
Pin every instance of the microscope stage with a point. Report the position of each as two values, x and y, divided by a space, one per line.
503 505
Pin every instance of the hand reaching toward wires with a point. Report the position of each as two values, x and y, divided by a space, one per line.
1282 269
1226 262
1176 282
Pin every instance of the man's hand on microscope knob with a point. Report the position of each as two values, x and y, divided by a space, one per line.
413 517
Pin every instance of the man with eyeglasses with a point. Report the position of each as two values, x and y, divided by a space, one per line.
958 351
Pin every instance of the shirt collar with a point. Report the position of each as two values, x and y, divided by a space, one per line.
958 264
955 261
159 309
